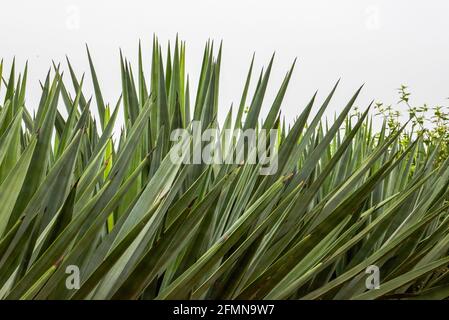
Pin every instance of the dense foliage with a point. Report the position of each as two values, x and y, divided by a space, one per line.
137 225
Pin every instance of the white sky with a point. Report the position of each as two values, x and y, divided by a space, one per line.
380 43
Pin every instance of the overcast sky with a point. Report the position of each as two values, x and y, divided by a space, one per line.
380 43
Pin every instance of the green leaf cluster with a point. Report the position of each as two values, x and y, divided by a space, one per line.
73 192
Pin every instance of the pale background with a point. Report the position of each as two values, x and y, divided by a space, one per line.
380 43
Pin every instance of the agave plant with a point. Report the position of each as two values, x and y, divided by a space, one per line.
137 225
